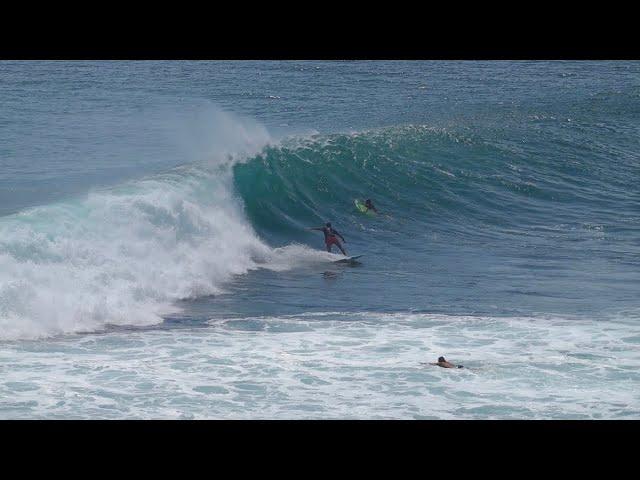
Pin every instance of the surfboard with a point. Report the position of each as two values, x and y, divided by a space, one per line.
348 259
363 208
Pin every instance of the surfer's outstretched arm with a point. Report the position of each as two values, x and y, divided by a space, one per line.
316 228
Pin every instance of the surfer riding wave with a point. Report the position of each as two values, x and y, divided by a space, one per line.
331 237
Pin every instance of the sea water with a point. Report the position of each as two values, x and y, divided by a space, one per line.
156 262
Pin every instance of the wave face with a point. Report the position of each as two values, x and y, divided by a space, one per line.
460 184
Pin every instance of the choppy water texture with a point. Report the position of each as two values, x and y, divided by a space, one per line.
155 261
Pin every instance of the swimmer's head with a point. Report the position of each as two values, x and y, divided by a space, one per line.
441 359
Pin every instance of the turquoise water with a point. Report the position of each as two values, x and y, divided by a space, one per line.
155 260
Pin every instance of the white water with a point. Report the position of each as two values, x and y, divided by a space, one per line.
332 365
123 255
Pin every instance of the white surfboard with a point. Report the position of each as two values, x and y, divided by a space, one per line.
348 259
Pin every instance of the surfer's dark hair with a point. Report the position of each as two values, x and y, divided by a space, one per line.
328 224
441 359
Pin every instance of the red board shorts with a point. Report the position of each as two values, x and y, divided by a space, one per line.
331 240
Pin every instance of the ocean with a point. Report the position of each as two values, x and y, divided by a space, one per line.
156 259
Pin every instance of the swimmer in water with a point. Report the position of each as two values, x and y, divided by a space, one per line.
369 204
445 364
